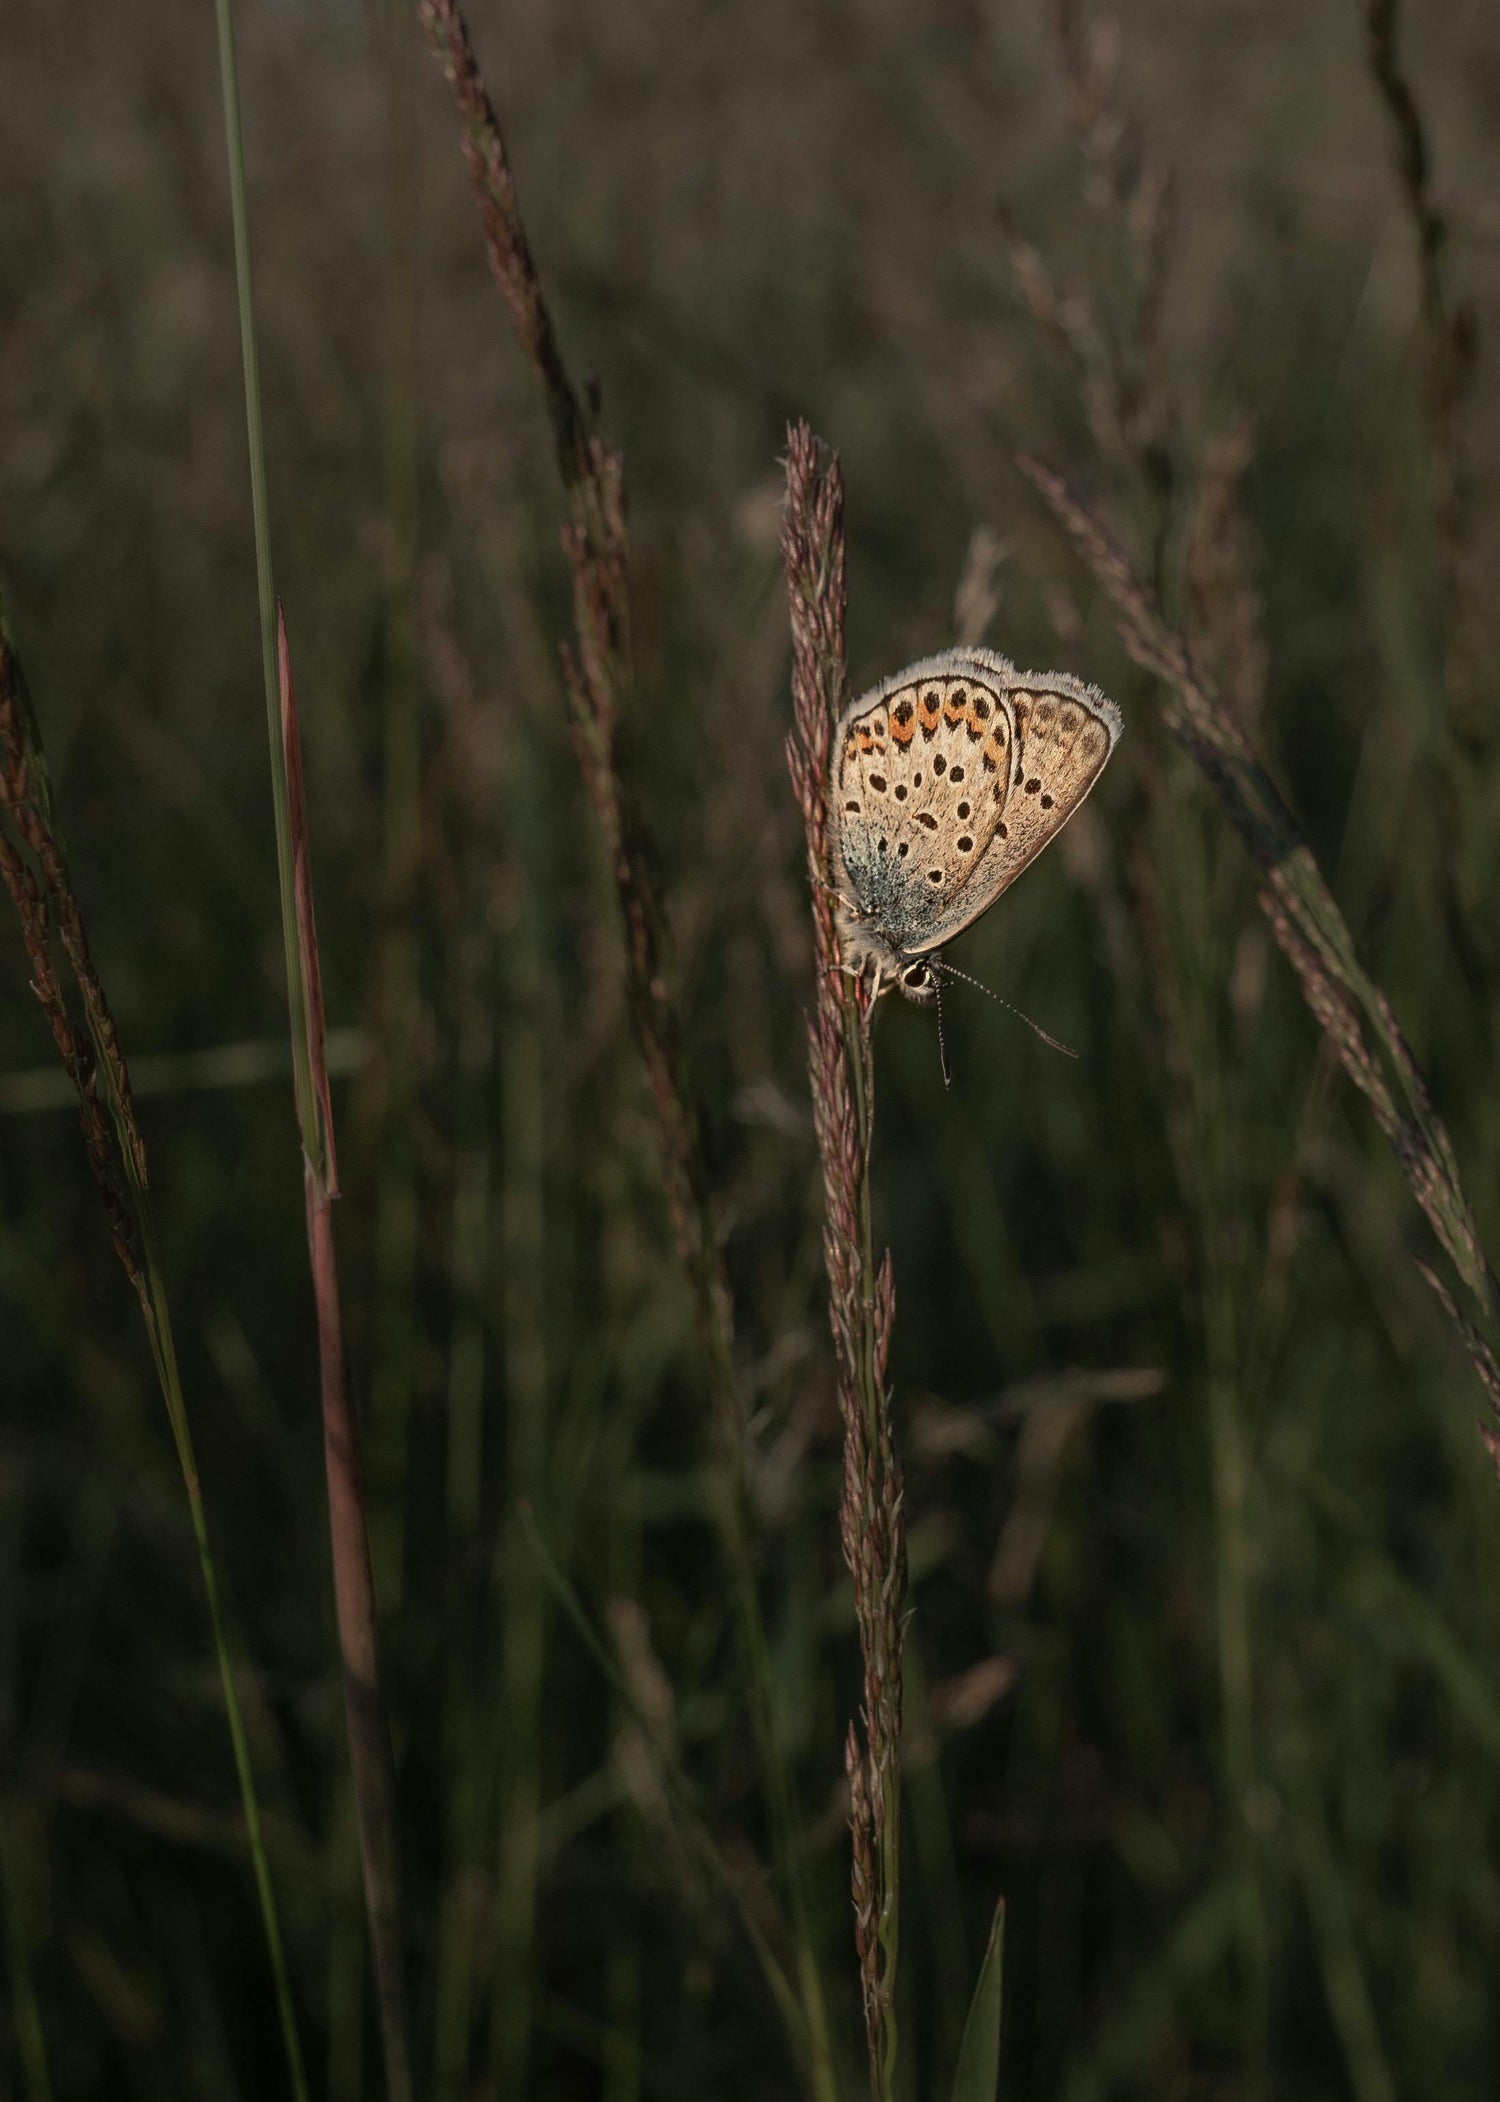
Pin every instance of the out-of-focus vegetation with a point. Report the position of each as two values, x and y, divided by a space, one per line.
1204 1550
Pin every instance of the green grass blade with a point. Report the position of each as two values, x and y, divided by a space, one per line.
312 1137
368 1742
978 2076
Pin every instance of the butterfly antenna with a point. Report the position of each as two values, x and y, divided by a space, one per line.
948 970
942 1042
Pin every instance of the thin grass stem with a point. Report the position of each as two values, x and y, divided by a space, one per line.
861 1293
369 1745
43 895
397 965
1449 351
261 516
353 1582
522 1304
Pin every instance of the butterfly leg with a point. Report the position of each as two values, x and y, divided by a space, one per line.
855 911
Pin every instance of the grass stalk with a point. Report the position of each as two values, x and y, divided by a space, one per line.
261 518
621 2070
932 1842
861 1292
523 1300
1127 399
465 771
1349 1006
353 1583
598 677
348 1934
1230 1466
42 891
466 1762
398 992
1230 1462
1178 914
1214 732
369 1746
1449 351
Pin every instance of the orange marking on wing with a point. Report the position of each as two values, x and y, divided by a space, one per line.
956 705
903 722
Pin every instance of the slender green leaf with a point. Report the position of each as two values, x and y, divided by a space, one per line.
978 2076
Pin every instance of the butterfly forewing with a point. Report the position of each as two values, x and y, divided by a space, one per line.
921 780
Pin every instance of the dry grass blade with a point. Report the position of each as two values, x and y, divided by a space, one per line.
41 889
597 670
861 1296
1298 903
353 1584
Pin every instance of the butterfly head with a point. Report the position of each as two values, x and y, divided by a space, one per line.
918 981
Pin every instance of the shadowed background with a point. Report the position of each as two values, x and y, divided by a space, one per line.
1205 1552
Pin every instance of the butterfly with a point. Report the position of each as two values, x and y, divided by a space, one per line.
948 779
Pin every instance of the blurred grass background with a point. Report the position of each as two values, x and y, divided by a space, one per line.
1205 1553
